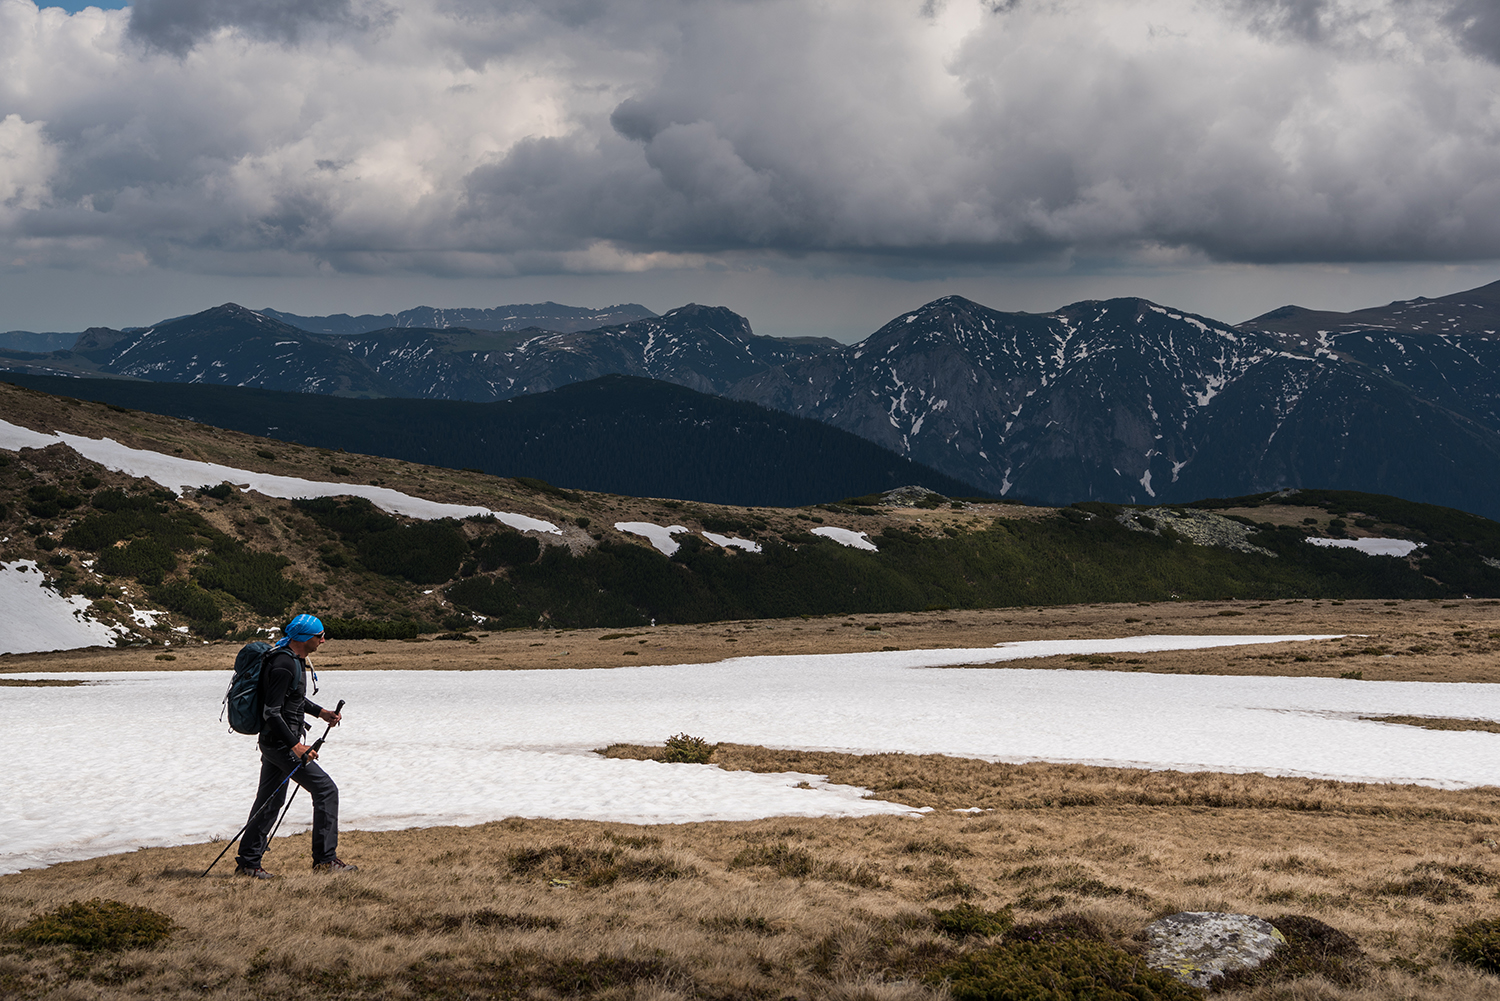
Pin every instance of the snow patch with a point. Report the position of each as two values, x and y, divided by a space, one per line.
660 537
728 541
34 619
845 537
1372 547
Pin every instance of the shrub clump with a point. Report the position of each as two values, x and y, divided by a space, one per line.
1058 971
688 750
596 866
98 925
374 629
968 920
1312 949
1478 944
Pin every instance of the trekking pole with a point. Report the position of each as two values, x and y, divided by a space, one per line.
271 798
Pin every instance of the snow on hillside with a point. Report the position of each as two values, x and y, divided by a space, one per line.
1374 547
660 538
845 537
34 619
178 475
521 740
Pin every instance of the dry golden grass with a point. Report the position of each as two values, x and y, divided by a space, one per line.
794 907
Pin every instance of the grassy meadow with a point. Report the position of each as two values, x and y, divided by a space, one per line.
793 907
828 908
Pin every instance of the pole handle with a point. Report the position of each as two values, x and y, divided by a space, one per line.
318 744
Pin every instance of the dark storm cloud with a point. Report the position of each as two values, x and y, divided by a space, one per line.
178 25
1477 23
524 135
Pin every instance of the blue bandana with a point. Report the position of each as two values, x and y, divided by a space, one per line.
304 627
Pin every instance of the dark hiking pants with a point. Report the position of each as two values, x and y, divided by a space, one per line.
274 766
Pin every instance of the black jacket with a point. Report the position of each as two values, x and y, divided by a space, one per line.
283 680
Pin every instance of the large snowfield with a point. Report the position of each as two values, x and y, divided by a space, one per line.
135 759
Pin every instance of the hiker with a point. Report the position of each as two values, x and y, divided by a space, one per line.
284 686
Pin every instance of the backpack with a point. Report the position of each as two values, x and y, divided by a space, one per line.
243 700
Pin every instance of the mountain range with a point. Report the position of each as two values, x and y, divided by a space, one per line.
1120 400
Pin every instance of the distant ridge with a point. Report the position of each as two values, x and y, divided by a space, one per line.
618 435
545 315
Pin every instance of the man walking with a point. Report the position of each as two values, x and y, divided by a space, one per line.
283 682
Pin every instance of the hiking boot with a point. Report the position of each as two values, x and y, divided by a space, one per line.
253 871
337 865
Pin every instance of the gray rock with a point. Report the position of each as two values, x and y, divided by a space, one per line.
1196 946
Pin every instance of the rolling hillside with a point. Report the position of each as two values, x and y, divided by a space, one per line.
218 561
618 435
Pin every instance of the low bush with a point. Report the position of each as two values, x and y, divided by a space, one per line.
147 560
254 578
428 552
187 598
371 629
1058 971
98 925
1477 944
1312 949
595 866
684 749
508 549
970 920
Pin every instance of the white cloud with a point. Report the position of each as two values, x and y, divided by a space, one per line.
457 137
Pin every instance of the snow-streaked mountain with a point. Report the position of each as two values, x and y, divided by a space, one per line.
706 348
1126 400
1122 400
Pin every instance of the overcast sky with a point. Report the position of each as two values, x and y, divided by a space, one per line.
817 165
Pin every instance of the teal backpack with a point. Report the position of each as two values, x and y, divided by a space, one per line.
243 701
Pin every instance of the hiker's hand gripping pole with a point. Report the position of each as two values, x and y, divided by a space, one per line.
311 753
303 759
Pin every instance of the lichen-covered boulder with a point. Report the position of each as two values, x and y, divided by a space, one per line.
1196 946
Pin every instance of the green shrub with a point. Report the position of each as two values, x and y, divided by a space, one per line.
968 920
147 560
213 630
1477 944
188 598
47 501
428 552
1312 949
595 866
687 750
1059 971
508 549
781 858
98 925
221 492
352 518
254 578
370 629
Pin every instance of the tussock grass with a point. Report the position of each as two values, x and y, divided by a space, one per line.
862 909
